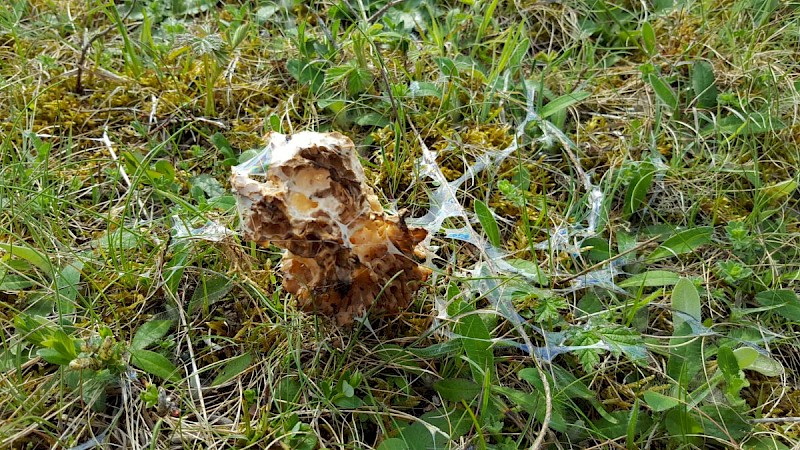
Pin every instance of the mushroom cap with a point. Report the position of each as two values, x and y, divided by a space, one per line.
307 193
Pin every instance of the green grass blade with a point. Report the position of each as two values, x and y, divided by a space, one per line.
488 222
563 102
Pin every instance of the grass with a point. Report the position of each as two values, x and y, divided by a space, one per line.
648 218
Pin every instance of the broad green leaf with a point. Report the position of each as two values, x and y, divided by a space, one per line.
95 386
455 423
173 269
308 73
447 66
659 229
535 404
34 329
394 444
649 38
532 376
347 389
29 254
166 169
149 333
653 278
423 89
336 74
224 202
638 188
67 279
734 378
751 359
727 362
238 35
633 420
13 283
457 389
745 356
621 339
589 305
598 249
59 341
685 353
780 191
685 298
119 239
221 143
287 392
663 91
549 309
563 102
723 422
637 421
476 341
210 290
358 80
683 242
274 124
588 357
784 300
659 402
565 385
625 243
247 155
488 222
704 85
372 119
683 426
521 178
154 364
530 270
334 105
208 185
753 123
433 434
54 356
345 402
232 369
765 442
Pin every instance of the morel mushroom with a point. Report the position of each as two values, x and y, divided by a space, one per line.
307 193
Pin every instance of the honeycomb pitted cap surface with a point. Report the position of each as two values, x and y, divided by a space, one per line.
307 193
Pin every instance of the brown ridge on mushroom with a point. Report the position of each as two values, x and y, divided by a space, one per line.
307 193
